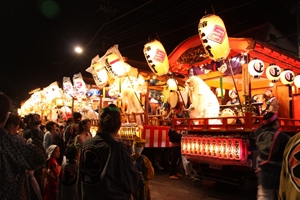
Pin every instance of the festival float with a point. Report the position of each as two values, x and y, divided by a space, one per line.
222 148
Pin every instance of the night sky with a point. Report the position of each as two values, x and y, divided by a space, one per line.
38 37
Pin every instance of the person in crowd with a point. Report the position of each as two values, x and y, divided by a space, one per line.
43 128
146 169
83 133
175 143
17 156
271 101
270 144
61 130
52 171
51 132
106 168
53 137
233 98
289 187
12 124
67 187
33 122
72 130
69 121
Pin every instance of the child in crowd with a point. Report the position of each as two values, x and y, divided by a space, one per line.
146 169
53 169
67 187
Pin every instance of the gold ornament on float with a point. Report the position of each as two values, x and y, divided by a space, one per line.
273 72
256 68
287 77
214 37
156 57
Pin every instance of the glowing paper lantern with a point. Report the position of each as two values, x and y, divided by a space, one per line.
156 57
67 86
256 68
220 92
287 77
297 81
115 65
79 85
273 72
214 37
98 72
172 84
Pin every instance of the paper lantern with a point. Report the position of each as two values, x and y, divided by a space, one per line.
287 77
256 68
297 81
100 75
172 84
214 37
115 65
156 57
220 92
273 72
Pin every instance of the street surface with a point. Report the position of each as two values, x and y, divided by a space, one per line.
164 188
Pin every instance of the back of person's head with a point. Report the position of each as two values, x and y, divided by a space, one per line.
49 125
82 123
13 119
77 117
71 153
33 120
270 119
69 121
138 145
110 119
5 107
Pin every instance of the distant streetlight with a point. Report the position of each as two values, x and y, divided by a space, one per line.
78 50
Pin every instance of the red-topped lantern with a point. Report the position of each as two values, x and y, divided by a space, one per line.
156 57
214 37
273 72
287 77
256 68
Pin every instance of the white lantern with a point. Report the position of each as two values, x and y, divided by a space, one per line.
273 72
214 37
287 77
156 57
297 81
220 92
172 84
115 65
256 68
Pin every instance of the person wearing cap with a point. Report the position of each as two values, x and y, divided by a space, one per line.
106 169
52 172
72 130
16 157
271 101
289 176
233 96
147 170
270 146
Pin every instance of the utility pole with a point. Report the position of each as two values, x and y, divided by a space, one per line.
296 12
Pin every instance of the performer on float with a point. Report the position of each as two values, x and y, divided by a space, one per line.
204 101
234 100
272 102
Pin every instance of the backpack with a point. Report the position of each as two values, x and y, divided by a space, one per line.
137 164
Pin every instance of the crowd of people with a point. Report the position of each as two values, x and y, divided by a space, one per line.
51 161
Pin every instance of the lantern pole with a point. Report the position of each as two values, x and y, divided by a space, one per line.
238 96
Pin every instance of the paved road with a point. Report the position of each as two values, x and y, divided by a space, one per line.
163 188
